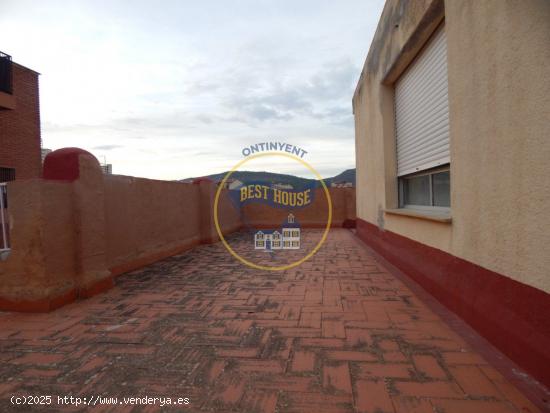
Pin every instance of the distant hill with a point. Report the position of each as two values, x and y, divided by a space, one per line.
347 176
275 178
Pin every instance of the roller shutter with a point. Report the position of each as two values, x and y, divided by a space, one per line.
422 109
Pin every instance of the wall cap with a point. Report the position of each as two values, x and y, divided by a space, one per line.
438 216
64 164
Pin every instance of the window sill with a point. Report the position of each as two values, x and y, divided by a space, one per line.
437 216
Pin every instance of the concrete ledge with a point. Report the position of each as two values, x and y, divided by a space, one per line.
421 214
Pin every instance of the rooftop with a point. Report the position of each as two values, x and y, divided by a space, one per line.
340 333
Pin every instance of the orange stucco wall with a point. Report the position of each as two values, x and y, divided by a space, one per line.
41 265
145 217
315 215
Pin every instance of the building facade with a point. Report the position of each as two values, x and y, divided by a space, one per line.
20 155
451 126
44 152
107 168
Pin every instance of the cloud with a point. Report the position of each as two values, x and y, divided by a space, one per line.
183 99
270 100
107 147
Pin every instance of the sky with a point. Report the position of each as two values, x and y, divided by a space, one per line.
171 89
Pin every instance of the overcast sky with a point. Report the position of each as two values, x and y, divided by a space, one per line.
170 89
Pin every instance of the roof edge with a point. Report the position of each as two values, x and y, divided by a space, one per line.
25 67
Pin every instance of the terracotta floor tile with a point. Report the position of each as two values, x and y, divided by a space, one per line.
374 371
337 377
303 361
429 366
405 404
472 406
337 334
372 397
474 382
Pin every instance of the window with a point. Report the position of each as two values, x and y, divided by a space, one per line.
295 244
7 174
422 128
259 243
6 73
429 189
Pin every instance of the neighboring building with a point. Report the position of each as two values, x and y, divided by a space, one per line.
287 238
20 143
45 152
107 168
341 184
452 130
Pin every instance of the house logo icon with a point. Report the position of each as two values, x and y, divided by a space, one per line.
287 238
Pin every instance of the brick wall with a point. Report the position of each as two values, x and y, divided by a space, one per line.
20 127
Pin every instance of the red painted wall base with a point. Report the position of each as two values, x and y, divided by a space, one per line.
513 316
97 288
38 306
45 305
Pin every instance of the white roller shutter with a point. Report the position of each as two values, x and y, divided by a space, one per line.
422 109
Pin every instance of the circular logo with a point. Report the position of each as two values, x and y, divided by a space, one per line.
280 267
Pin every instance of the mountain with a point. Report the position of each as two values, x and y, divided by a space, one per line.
347 176
275 178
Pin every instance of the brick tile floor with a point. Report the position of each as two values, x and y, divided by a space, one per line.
337 334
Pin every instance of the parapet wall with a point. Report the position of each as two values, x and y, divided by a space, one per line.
77 228
313 216
41 267
146 218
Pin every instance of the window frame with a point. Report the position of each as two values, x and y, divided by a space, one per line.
430 172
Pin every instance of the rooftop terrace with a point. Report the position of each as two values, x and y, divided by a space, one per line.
340 333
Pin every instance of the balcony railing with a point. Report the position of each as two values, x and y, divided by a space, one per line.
6 84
